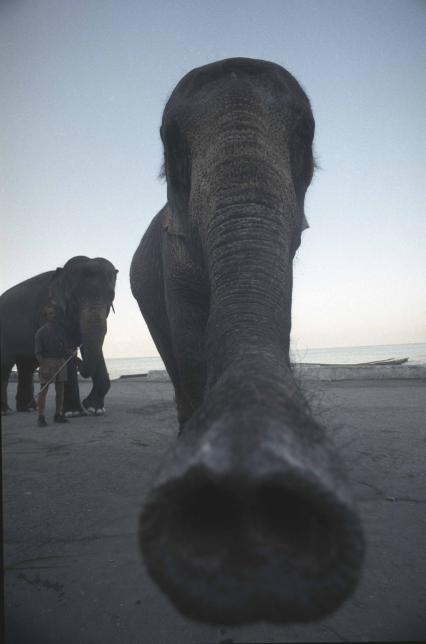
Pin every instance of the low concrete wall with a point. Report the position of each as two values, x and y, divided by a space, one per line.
317 372
157 376
372 372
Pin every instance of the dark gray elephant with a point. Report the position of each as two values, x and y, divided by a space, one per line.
83 291
250 517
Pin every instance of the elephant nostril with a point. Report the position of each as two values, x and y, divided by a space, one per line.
285 520
206 519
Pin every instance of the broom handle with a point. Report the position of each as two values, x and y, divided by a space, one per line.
59 370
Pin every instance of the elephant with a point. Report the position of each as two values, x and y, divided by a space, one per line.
83 292
250 516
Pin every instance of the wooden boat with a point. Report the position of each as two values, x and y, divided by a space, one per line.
374 363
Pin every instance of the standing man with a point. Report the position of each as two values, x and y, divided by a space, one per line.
51 351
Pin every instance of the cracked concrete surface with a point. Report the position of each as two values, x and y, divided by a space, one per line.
72 495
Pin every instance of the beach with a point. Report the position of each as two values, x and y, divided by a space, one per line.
72 495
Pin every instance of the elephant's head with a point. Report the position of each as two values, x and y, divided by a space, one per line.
250 517
83 291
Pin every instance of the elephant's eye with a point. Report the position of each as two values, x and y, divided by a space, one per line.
304 131
301 153
176 162
302 167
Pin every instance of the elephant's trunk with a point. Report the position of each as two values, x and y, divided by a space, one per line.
250 288
93 327
249 216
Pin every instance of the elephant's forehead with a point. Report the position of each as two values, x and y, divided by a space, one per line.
258 72
105 263
83 262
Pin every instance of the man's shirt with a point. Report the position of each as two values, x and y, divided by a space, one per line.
50 341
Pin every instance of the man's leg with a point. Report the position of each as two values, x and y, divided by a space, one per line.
59 388
59 414
41 404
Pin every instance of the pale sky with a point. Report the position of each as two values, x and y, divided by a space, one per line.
83 86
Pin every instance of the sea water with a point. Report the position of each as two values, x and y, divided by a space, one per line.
416 353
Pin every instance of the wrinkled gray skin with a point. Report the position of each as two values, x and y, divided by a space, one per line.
83 291
250 517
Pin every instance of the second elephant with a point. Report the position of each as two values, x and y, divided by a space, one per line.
83 290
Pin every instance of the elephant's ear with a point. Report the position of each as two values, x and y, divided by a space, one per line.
57 292
176 165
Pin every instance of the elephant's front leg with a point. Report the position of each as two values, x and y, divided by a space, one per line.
164 282
25 392
177 325
187 322
6 368
94 403
187 309
72 404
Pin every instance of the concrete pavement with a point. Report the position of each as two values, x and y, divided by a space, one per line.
72 495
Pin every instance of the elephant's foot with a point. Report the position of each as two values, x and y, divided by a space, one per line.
31 406
95 411
73 409
7 411
74 413
25 408
94 407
